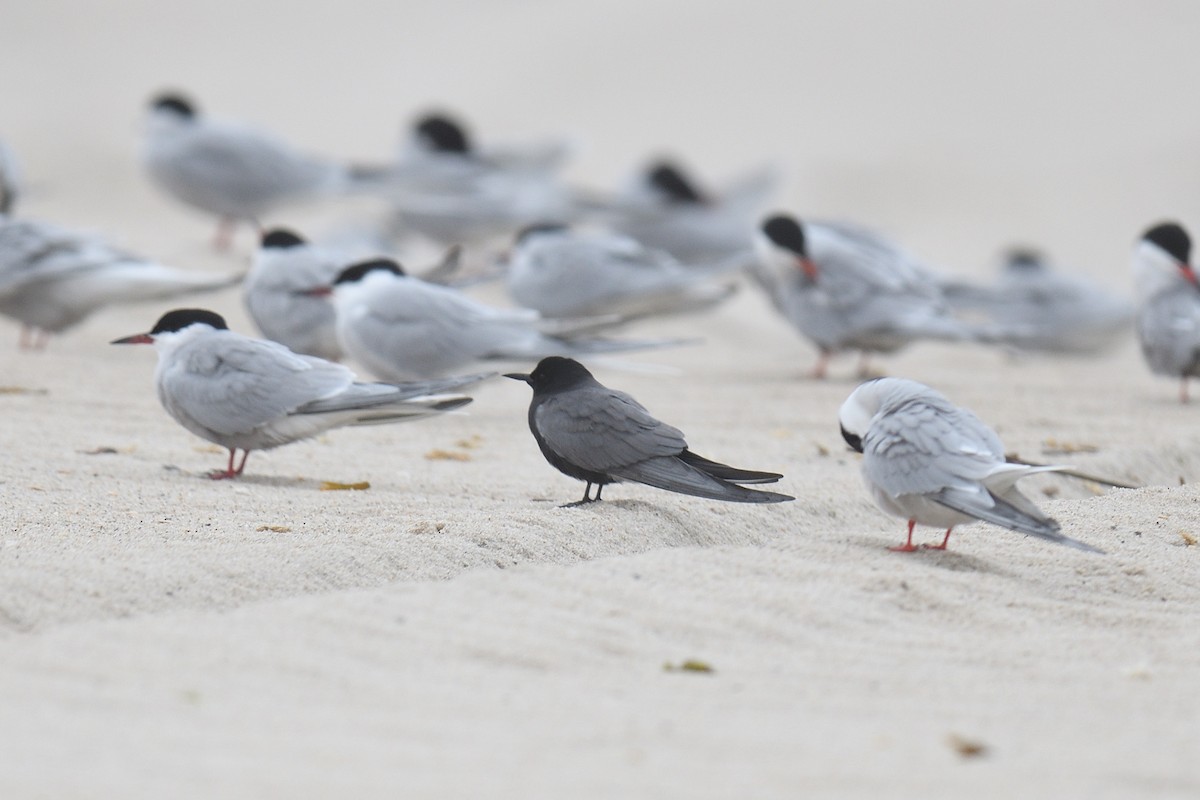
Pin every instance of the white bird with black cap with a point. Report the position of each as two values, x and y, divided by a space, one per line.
664 207
251 394
845 288
1168 297
447 188
931 462
278 293
232 171
563 272
401 327
52 278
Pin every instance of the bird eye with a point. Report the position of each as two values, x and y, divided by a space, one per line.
852 439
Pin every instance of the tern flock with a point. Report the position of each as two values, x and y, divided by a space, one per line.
578 265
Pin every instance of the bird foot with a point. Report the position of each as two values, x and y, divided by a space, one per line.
578 503
221 474
941 546
904 548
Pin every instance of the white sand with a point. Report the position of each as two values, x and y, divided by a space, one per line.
449 632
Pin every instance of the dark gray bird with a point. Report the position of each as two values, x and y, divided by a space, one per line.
600 435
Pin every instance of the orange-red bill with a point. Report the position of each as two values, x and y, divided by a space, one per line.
137 338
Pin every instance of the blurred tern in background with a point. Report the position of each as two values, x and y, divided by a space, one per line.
560 272
229 170
1048 310
450 190
277 293
1168 299
665 209
52 278
845 288
400 327
286 289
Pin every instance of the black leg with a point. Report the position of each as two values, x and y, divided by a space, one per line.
587 490
599 488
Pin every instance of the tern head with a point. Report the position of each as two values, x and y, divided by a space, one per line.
856 413
554 374
786 233
1172 239
539 228
281 239
881 395
441 133
672 185
175 104
1162 258
10 179
176 321
357 272
1024 260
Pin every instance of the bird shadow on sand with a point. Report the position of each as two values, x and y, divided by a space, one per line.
662 526
597 505
951 560
251 479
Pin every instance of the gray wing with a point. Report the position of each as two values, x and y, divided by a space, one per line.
31 250
857 266
584 275
364 395
604 430
232 384
924 446
274 295
422 329
1169 329
230 168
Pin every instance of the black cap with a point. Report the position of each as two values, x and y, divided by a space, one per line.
1171 236
172 101
670 180
443 134
180 318
281 238
786 232
540 227
356 272
555 373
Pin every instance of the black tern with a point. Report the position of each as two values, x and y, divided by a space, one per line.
600 436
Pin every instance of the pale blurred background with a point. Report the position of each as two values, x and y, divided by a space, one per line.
957 128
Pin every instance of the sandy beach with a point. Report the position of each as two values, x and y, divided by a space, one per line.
451 632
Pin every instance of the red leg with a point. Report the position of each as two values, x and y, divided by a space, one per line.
228 472
223 239
908 546
33 338
864 365
821 368
246 454
945 542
